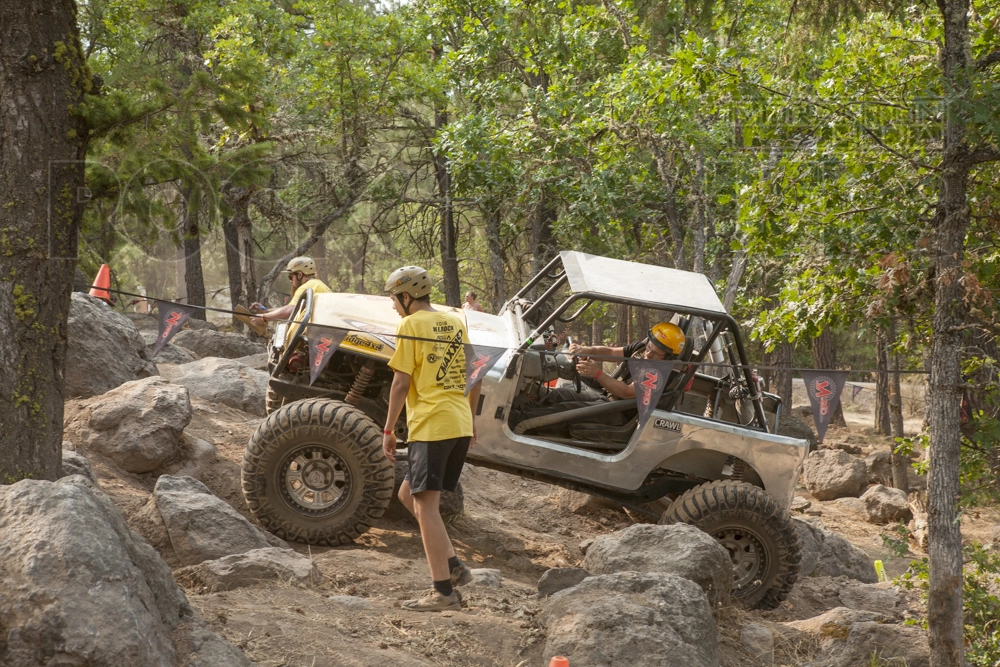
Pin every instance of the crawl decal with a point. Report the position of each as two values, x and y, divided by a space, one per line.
824 389
479 359
322 345
649 379
172 318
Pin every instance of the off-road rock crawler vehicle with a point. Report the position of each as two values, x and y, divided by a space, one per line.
314 470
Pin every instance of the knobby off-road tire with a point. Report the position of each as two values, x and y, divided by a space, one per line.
314 472
757 532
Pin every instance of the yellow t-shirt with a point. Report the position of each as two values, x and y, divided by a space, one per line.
315 284
436 405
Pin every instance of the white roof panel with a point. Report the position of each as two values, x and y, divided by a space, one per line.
632 280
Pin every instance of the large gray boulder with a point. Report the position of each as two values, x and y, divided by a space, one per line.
632 618
815 595
249 568
224 381
886 505
77 587
74 464
849 638
137 425
208 343
832 473
168 354
104 349
793 427
557 579
201 526
879 465
825 553
679 549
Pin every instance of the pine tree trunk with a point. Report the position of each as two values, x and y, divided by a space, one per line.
232 240
42 147
621 325
542 237
495 250
248 271
900 462
825 357
449 243
951 222
783 378
882 381
194 281
319 257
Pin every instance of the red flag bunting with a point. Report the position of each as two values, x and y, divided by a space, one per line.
323 343
824 389
172 318
479 359
649 377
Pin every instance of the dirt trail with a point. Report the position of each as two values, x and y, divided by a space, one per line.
517 526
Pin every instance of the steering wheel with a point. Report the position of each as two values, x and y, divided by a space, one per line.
576 376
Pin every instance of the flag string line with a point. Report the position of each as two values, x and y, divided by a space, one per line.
672 362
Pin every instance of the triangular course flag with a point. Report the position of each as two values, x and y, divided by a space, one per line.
855 389
172 318
824 389
479 359
649 377
323 342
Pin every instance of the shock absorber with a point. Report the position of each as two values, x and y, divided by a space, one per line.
360 384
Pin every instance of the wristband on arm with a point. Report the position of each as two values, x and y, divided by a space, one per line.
384 432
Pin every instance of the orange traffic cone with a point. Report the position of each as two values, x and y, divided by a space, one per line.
558 661
102 283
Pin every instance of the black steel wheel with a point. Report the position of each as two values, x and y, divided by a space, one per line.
314 472
758 533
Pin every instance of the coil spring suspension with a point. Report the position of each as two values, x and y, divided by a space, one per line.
734 468
360 384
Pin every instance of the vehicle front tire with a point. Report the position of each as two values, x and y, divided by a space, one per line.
756 531
314 472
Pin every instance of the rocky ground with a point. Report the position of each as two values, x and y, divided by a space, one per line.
340 606
519 527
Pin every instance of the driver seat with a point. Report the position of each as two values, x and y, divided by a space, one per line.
606 433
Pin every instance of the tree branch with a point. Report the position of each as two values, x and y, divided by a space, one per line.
980 155
987 61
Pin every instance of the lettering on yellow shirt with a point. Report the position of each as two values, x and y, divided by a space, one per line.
436 405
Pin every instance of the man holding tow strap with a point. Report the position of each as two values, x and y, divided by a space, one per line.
430 379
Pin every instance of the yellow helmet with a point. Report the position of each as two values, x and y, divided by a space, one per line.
668 337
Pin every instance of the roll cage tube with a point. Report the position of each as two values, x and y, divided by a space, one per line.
726 322
537 278
305 300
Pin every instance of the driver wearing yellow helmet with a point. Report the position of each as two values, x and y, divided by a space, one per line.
665 342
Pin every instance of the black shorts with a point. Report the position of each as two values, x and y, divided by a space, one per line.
436 466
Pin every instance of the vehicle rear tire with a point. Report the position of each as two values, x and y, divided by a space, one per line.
756 531
314 472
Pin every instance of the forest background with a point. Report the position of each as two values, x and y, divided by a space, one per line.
830 165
